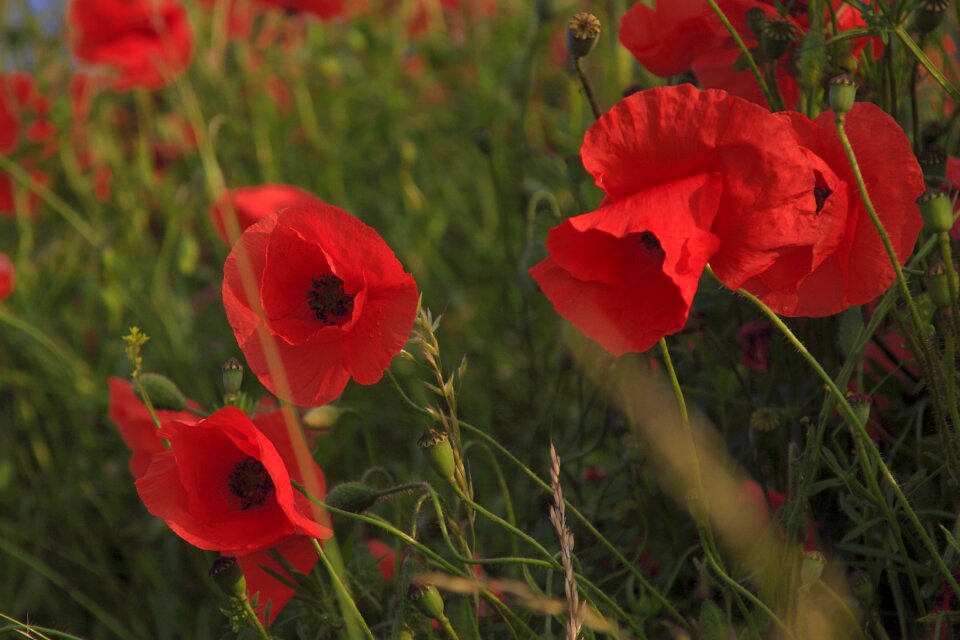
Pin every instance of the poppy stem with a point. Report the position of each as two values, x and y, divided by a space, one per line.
745 52
922 58
860 430
346 600
252 619
587 89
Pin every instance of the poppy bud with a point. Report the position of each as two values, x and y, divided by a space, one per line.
426 599
933 163
860 403
226 572
436 446
161 390
936 210
929 14
937 283
713 624
862 587
811 568
757 21
231 374
779 35
582 34
842 92
355 497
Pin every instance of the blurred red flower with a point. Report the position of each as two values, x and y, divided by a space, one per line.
27 133
846 264
224 484
323 9
8 280
136 427
385 556
752 499
251 204
328 293
146 42
677 164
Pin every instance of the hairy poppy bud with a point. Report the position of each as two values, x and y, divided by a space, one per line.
162 391
355 497
436 446
426 599
936 210
811 569
842 92
756 21
779 35
937 283
231 375
229 577
929 14
582 34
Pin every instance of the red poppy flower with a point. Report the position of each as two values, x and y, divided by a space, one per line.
251 204
676 163
385 556
752 500
847 264
224 484
25 129
328 293
8 279
136 427
146 42
323 9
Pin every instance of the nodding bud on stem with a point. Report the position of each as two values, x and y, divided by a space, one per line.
162 391
227 574
936 210
436 446
231 375
426 599
355 497
843 90
582 34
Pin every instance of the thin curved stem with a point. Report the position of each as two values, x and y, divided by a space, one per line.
745 51
345 597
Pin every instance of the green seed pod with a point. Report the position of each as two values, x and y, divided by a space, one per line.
765 419
163 393
231 374
862 587
933 163
780 34
226 572
426 599
937 283
860 403
355 497
582 34
929 14
811 569
403 633
756 21
436 447
843 90
936 210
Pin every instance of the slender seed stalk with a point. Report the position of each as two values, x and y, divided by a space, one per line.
745 52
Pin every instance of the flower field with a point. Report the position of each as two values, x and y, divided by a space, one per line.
479 319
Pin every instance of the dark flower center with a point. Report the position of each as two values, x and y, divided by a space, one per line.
820 191
328 301
250 482
652 248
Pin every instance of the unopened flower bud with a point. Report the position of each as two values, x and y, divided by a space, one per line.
436 447
322 418
756 21
860 403
162 391
226 572
426 599
936 210
811 569
231 374
355 497
780 34
929 14
843 90
937 282
582 34
862 586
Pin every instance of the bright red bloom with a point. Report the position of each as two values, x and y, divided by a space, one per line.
251 204
136 427
323 9
146 42
328 293
8 279
846 264
676 163
224 484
